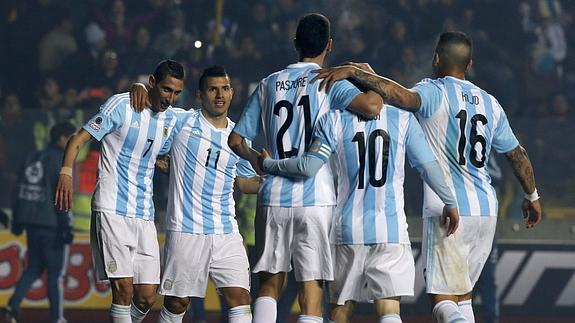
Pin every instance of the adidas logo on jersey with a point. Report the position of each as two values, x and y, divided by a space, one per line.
135 124
196 132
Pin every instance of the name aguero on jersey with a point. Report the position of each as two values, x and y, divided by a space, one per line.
291 84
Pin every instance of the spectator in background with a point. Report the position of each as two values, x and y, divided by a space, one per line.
18 138
176 39
141 53
110 77
56 45
48 230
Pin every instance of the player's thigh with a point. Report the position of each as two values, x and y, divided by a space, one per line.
229 266
389 271
482 229
274 236
349 279
147 254
311 250
186 264
113 240
445 259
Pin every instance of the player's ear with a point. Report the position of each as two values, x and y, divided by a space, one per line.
151 81
198 94
436 59
469 65
328 46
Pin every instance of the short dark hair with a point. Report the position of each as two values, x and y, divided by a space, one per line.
61 129
312 34
455 49
212 71
169 67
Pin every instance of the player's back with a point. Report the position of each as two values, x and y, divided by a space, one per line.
370 158
287 106
131 142
462 123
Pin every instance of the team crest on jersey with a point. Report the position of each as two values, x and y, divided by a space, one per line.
166 131
96 124
168 284
112 266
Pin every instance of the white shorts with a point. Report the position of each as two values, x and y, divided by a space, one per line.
452 265
190 259
299 234
367 273
125 247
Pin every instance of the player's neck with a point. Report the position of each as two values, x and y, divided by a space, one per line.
455 74
216 121
318 59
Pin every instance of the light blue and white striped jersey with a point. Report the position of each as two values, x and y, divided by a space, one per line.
370 159
131 142
462 123
287 107
203 169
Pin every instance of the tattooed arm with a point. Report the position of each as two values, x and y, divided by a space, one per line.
391 91
523 171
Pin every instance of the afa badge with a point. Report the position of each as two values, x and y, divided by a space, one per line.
166 130
96 124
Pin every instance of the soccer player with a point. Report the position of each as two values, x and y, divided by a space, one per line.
369 237
123 235
462 123
297 213
202 237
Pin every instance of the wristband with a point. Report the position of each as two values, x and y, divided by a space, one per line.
532 197
65 170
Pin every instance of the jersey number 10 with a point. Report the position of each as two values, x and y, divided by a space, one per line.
359 138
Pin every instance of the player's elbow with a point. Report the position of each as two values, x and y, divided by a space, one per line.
234 141
373 106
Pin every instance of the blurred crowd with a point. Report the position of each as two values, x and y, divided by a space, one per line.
61 59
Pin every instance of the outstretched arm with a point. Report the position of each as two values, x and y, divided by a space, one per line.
523 171
301 167
239 145
64 190
391 91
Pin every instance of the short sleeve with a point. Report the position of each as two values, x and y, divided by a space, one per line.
110 118
416 146
504 139
341 94
431 96
249 124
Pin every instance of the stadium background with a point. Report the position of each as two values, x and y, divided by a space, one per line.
59 60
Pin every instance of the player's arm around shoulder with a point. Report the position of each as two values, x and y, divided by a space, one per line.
521 165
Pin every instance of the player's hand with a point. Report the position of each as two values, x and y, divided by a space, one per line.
139 97
531 212
263 156
450 219
330 75
362 66
163 164
63 199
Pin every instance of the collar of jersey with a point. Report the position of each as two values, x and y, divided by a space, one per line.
303 64
457 80
209 124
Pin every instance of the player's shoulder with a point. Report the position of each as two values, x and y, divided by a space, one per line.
116 101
